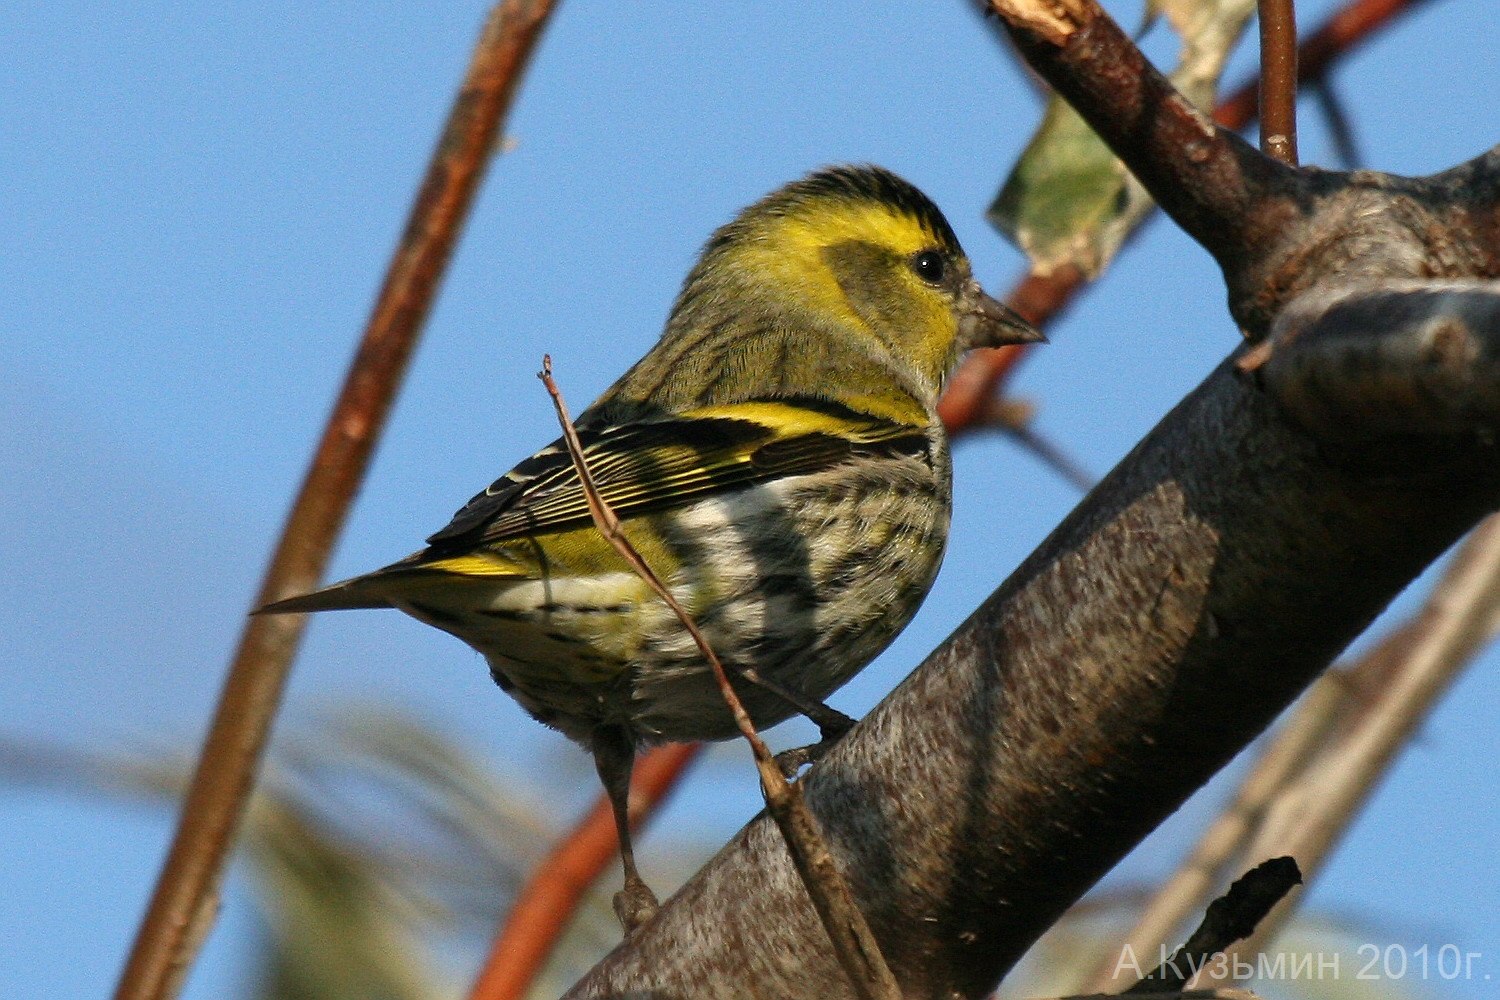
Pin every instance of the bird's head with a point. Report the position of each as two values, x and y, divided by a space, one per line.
867 250
848 284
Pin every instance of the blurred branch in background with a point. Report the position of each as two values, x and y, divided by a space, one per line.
185 901
379 853
1388 693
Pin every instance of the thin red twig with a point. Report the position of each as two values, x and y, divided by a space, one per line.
1334 39
1278 80
185 899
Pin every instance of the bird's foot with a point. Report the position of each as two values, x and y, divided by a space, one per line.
831 728
635 904
793 760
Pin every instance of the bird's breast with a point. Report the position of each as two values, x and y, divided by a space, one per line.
805 579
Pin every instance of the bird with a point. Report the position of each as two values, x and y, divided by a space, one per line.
776 458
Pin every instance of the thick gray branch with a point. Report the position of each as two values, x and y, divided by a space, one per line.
1404 358
1185 602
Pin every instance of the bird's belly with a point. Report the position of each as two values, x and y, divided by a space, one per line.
804 585
822 581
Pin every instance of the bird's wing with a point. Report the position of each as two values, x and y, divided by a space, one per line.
666 462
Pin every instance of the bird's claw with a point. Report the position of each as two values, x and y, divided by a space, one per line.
793 760
635 904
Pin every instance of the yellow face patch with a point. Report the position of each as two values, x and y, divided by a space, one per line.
787 251
789 246
821 224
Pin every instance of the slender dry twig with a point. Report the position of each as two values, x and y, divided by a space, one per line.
1230 918
1278 80
853 941
547 901
184 903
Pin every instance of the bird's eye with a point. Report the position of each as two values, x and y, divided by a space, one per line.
929 266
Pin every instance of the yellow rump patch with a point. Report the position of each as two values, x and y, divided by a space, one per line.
475 564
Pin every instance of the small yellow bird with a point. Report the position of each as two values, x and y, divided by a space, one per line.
777 460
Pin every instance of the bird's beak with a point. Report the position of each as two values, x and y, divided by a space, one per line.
988 322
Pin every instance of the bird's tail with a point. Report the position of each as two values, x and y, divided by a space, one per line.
360 592
422 575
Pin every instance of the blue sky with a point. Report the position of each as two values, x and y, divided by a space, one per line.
200 200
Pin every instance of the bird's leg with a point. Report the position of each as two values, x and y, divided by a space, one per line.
832 724
614 756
